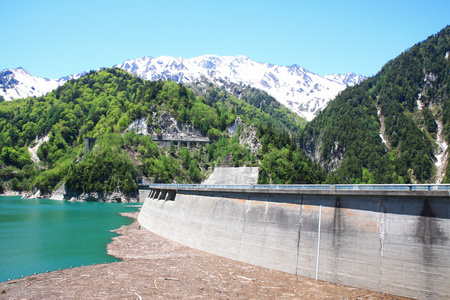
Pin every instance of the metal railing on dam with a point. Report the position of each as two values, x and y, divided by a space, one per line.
395 189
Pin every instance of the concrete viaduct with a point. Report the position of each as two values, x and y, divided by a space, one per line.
188 141
388 238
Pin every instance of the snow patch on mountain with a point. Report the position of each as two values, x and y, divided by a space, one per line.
441 153
349 79
301 91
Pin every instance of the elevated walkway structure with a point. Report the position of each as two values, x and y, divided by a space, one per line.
189 141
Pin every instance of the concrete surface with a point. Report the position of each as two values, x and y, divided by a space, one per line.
394 244
230 175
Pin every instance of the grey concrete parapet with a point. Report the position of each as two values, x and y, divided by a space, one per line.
389 238
438 190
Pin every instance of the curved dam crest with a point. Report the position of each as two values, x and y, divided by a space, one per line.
396 243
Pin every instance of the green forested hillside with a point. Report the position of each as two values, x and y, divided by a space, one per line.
102 105
269 109
407 103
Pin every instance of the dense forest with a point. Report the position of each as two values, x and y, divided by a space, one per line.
387 129
103 104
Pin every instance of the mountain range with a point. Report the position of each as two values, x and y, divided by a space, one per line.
301 91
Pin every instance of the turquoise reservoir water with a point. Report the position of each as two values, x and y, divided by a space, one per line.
39 235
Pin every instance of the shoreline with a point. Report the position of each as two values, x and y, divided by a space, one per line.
9 193
154 267
60 195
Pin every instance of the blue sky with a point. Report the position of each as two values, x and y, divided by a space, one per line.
56 38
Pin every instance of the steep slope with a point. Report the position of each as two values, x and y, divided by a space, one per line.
301 91
393 127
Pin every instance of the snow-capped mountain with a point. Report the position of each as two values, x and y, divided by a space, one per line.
301 91
18 83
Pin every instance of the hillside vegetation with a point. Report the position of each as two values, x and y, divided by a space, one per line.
103 104
393 127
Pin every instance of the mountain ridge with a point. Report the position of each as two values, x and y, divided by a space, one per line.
300 90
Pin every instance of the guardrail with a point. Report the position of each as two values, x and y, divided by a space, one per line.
309 187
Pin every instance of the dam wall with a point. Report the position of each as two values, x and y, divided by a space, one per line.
391 242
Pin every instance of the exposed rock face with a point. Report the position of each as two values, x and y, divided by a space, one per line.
170 126
139 126
166 123
248 137
233 128
62 193
37 195
59 193
113 197
103 197
33 150
13 193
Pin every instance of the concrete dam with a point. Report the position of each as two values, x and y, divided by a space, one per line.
388 238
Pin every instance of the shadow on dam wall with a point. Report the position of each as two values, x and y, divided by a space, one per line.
388 243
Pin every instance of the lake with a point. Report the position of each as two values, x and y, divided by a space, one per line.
39 235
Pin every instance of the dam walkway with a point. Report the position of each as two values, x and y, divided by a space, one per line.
339 189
